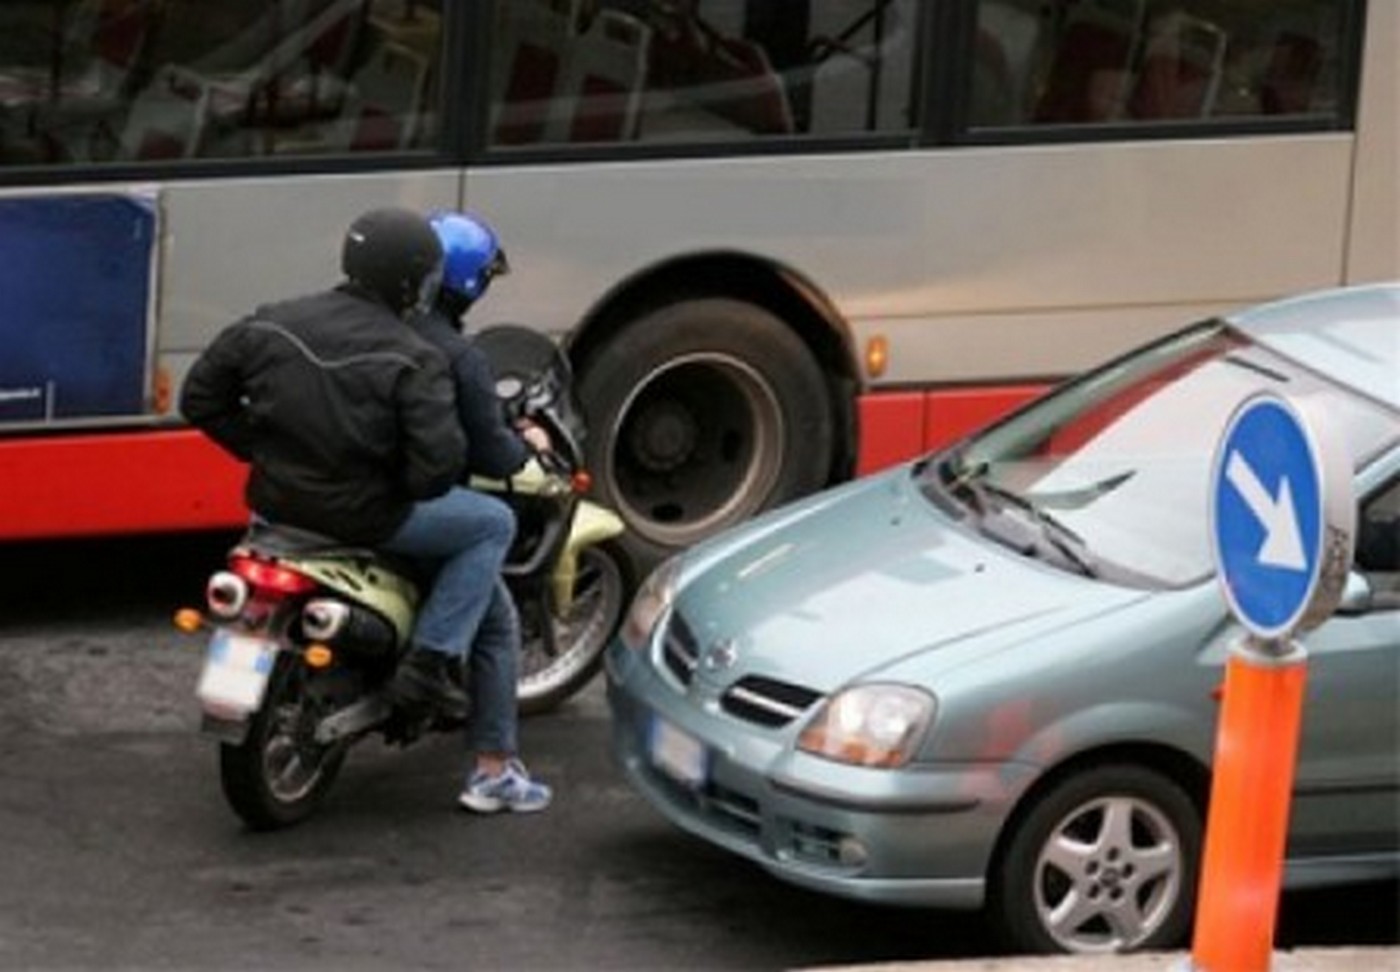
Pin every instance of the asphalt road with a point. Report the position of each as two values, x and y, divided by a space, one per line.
117 852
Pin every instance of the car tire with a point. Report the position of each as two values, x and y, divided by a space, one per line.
701 414
1105 861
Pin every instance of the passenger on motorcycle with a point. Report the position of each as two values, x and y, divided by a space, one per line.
472 257
346 416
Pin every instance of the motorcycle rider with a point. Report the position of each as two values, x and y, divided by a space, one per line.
472 258
347 419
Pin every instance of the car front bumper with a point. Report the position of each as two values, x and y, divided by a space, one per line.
918 836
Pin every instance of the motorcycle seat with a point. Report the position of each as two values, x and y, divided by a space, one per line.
282 540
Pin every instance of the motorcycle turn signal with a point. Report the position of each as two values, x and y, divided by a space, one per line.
188 620
318 656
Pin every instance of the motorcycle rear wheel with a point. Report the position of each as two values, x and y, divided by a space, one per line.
559 658
279 774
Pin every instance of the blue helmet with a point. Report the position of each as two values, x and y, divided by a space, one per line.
472 254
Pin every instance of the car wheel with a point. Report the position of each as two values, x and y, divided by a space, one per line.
1106 861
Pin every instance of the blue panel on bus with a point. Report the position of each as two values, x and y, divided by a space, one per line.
75 297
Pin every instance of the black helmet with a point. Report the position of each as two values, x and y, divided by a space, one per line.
394 254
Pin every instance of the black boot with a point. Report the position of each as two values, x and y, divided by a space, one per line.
428 680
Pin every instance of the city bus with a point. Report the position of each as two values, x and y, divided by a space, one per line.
785 242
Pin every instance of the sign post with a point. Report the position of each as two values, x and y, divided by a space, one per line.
1282 523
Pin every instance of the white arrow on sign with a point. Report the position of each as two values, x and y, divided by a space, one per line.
1283 541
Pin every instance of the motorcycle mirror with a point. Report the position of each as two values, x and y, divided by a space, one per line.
517 351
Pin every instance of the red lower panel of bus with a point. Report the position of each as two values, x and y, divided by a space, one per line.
895 426
173 480
117 482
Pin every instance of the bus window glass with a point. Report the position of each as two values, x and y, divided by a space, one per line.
94 81
1096 62
688 71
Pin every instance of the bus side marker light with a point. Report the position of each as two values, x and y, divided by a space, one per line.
877 356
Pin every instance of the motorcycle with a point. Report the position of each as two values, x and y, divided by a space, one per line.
306 632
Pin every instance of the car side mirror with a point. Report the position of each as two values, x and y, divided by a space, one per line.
1358 596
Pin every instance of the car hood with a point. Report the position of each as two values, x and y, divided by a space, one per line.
854 580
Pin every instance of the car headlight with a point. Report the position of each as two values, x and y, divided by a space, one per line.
653 599
869 725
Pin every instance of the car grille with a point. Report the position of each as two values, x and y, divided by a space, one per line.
766 701
679 650
761 701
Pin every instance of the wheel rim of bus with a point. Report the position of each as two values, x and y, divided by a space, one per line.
697 445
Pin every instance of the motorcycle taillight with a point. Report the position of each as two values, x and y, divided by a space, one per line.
265 575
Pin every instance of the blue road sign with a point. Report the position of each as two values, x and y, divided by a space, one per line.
1268 516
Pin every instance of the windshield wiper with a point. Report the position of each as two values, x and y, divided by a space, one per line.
1067 543
964 480
968 482
1081 496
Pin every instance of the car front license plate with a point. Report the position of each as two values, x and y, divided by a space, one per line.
236 670
678 754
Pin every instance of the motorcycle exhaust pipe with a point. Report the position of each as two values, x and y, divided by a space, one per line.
347 627
226 594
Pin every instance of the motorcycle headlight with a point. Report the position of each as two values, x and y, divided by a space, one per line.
653 600
870 725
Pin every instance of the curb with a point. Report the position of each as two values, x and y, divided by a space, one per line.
1385 959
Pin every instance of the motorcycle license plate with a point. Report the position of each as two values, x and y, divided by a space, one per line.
236 670
678 754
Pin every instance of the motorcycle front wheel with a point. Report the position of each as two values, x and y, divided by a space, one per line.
559 655
279 774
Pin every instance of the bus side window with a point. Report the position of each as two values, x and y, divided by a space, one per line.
605 80
1100 62
1090 73
152 80
1290 75
862 67
1179 73
386 101
1010 42
167 120
572 71
527 67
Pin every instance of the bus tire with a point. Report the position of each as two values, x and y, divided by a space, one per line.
701 414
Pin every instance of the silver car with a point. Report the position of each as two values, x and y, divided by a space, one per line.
990 678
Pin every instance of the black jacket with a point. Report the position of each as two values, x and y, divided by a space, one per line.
493 448
344 413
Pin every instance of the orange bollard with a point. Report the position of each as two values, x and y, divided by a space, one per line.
1247 823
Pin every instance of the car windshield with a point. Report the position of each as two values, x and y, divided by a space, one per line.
1109 475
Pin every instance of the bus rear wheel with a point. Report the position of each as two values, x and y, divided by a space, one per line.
700 415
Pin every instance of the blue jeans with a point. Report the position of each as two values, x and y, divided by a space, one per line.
494 665
465 536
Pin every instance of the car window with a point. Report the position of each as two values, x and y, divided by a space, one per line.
1378 545
1123 458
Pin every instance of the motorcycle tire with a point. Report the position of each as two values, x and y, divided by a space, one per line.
559 656
278 775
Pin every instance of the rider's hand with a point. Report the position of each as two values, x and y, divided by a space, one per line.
535 436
